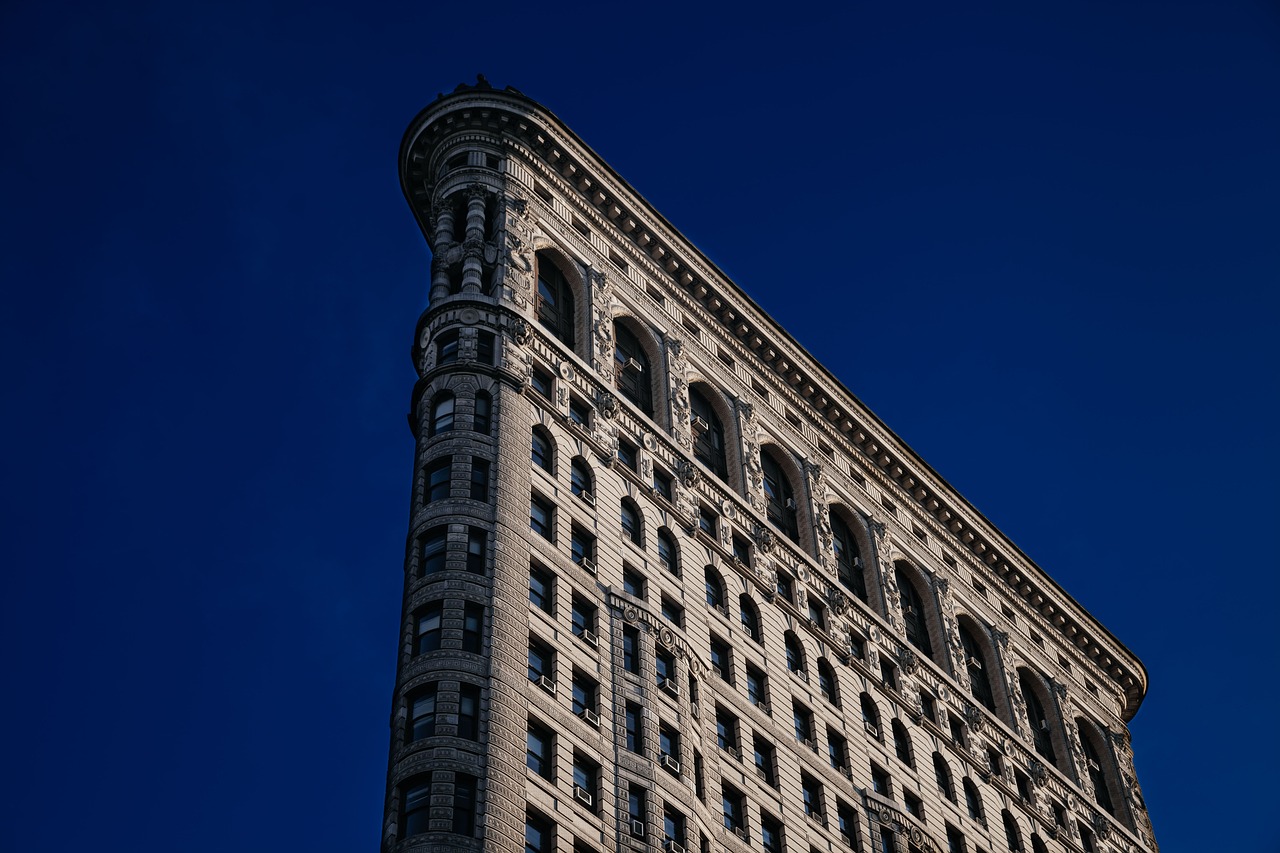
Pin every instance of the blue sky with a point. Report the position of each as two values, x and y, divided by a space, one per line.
1038 240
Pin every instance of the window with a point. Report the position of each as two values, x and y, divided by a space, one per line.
484 347
973 801
583 617
848 558
994 761
1011 834
422 712
555 300
437 479
741 550
870 716
827 682
632 369
715 589
539 834
811 796
469 712
541 382
441 414
837 751
785 586
464 804
720 659
635 734
1037 845
770 834
707 521
795 654
585 694
665 668
672 612
539 743
669 743
582 548
416 816
726 730
888 843
913 613
480 480
579 412
757 687
447 348
708 434
942 773
482 417
637 805
631 524
957 729
428 628
765 757
817 614
750 618
541 517
1093 761
476 550
542 451
780 501
633 582
435 546
889 675
1037 720
902 744
847 823
1023 782
699 786
586 780
541 588
880 782
734 809
542 662
928 707
667 554
581 481
631 650
673 825
662 485
979 683
803 719
955 841
915 807
473 627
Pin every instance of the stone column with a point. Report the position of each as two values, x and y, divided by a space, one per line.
473 243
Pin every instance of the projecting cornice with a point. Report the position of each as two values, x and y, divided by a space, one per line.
510 119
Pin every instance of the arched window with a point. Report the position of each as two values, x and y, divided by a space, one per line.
1011 834
580 480
543 451
913 613
975 663
902 744
715 589
441 414
555 300
870 715
795 654
827 682
631 522
1037 846
667 553
750 618
942 773
708 434
482 420
780 499
1037 719
634 379
848 557
973 800
1093 761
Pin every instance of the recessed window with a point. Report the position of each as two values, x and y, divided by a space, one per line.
541 382
827 683
585 695
673 827
975 664
541 589
707 521
434 550
780 501
586 782
542 662
484 347
734 809
708 434
837 751
902 744
672 612
555 306
848 557
632 375
539 744
880 781
422 712
913 613
447 347
581 483
416 814
429 623
955 841
770 834
541 517
915 807
473 627
870 716
632 525
726 730
663 485
582 548
715 589
665 669
757 687
750 618
469 712
539 833
785 586
631 649
582 615
811 796
942 774
741 550
442 410
541 450
437 479
482 414
802 718
579 412
720 659
795 654
476 539
667 553
973 801
635 733
480 480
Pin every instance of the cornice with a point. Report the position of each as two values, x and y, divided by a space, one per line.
834 410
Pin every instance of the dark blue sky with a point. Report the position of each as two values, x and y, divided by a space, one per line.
1039 240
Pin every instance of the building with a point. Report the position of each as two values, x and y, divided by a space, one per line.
668 585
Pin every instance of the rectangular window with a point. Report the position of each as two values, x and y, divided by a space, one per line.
726 730
847 823
665 667
422 712
880 782
669 745
476 540
627 453
583 615
707 521
741 550
541 517
541 663
631 650
734 809
484 347
539 833
672 612
770 834
633 582
539 743
955 841
464 804
803 718
585 693
433 551
662 485
673 825
765 759
837 751
541 588
582 548
914 805
473 628
720 659
811 796
634 728
757 688
586 782
785 586
480 480
469 712
429 624
437 480
541 382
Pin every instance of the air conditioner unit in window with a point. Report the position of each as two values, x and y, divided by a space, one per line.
588 564
872 729
670 685
590 639
587 498
812 744
698 424
633 364
670 846
547 684
582 795
670 763
909 610
764 706
741 832
791 503
637 828
1093 765
591 717
1044 725
973 663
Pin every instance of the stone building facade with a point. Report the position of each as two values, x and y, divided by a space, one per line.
669 585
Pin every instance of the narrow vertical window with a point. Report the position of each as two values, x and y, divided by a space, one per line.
634 380
913 614
779 498
482 415
555 300
708 434
975 665
441 414
848 558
